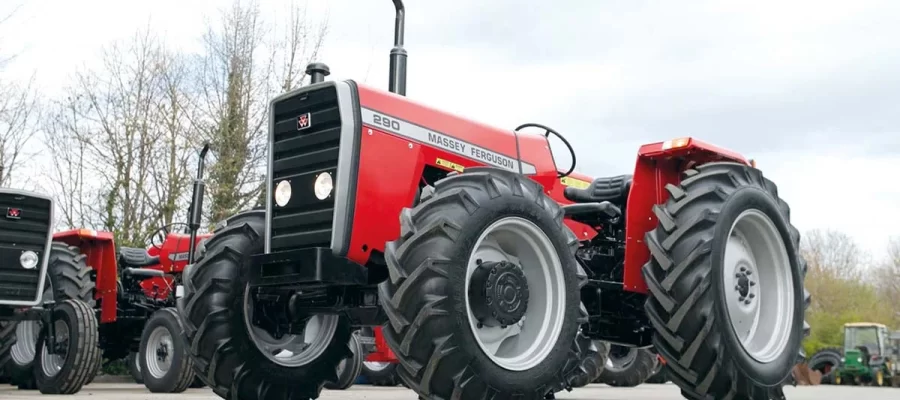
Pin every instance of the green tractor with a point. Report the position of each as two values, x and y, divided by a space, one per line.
868 356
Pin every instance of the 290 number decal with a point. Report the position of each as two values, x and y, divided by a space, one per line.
386 122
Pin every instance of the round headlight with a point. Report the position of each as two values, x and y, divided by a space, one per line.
323 186
859 360
28 259
282 193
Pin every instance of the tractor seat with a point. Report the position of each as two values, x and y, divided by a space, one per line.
134 257
614 190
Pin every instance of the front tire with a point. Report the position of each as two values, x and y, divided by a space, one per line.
76 334
348 369
164 362
593 364
380 373
479 232
723 244
227 350
628 366
134 367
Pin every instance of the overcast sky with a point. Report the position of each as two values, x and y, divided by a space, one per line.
810 89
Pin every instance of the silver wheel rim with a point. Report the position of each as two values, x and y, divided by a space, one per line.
616 361
51 364
759 286
292 350
376 366
159 352
526 344
23 352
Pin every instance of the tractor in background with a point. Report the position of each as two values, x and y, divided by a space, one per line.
132 292
489 271
867 356
63 331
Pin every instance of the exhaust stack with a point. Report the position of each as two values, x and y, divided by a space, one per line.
397 82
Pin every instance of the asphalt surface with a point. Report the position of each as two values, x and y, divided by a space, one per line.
104 391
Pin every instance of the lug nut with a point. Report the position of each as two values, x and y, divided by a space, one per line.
752 283
747 302
737 287
752 295
478 261
737 275
749 272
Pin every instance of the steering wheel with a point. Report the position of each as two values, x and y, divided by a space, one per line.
547 132
158 237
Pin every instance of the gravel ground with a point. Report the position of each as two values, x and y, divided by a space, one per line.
106 391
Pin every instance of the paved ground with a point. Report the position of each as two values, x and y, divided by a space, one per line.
361 392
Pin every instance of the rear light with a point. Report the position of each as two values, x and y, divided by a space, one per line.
676 143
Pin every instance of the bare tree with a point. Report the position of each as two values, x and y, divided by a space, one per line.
239 72
18 117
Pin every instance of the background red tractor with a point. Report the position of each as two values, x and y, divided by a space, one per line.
490 272
133 293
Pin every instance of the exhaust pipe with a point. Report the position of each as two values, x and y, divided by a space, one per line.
195 214
397 82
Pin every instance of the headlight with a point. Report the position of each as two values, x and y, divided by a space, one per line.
323 186
859 360
282 193
28 259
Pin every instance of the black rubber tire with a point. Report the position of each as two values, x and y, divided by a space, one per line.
212 309
634 374
821 359
686 304
79 364
181 372
70 278
386 376
134 367
593 364
660 376
349 369
197 383
7 339
439 355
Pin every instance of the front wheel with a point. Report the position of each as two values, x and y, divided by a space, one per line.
726 284
134 367
232 354
67 368
164 364
628 366
483 297
348 369
593 364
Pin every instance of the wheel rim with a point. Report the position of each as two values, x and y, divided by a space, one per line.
620 358
51 364
159 352
376 366
137 363
292 350
759 286
528 342
23 352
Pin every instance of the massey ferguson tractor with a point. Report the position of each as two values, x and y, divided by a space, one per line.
131 291
490 268
64 342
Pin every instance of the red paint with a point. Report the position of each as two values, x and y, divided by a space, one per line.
100 249
382 351
655 168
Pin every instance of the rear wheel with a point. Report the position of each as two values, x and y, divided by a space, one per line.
348 369
726 283
234 356
164 362
628 366
483 296
69 367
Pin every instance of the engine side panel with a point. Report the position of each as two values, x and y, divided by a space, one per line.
100 250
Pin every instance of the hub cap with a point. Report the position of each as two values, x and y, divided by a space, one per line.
51 364
159 352
527 292
759 287
291 350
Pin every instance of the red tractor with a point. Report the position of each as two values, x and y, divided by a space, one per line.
490 268
132 293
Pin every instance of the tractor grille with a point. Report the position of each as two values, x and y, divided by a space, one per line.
29 232
299 156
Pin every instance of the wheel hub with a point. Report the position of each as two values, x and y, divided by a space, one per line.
498 293
745 283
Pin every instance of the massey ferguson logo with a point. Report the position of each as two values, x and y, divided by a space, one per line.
13 213
304 121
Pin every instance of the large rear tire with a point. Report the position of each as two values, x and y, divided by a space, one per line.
723 245
628 366
228 350
484 249
69 279
77 336
164 362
